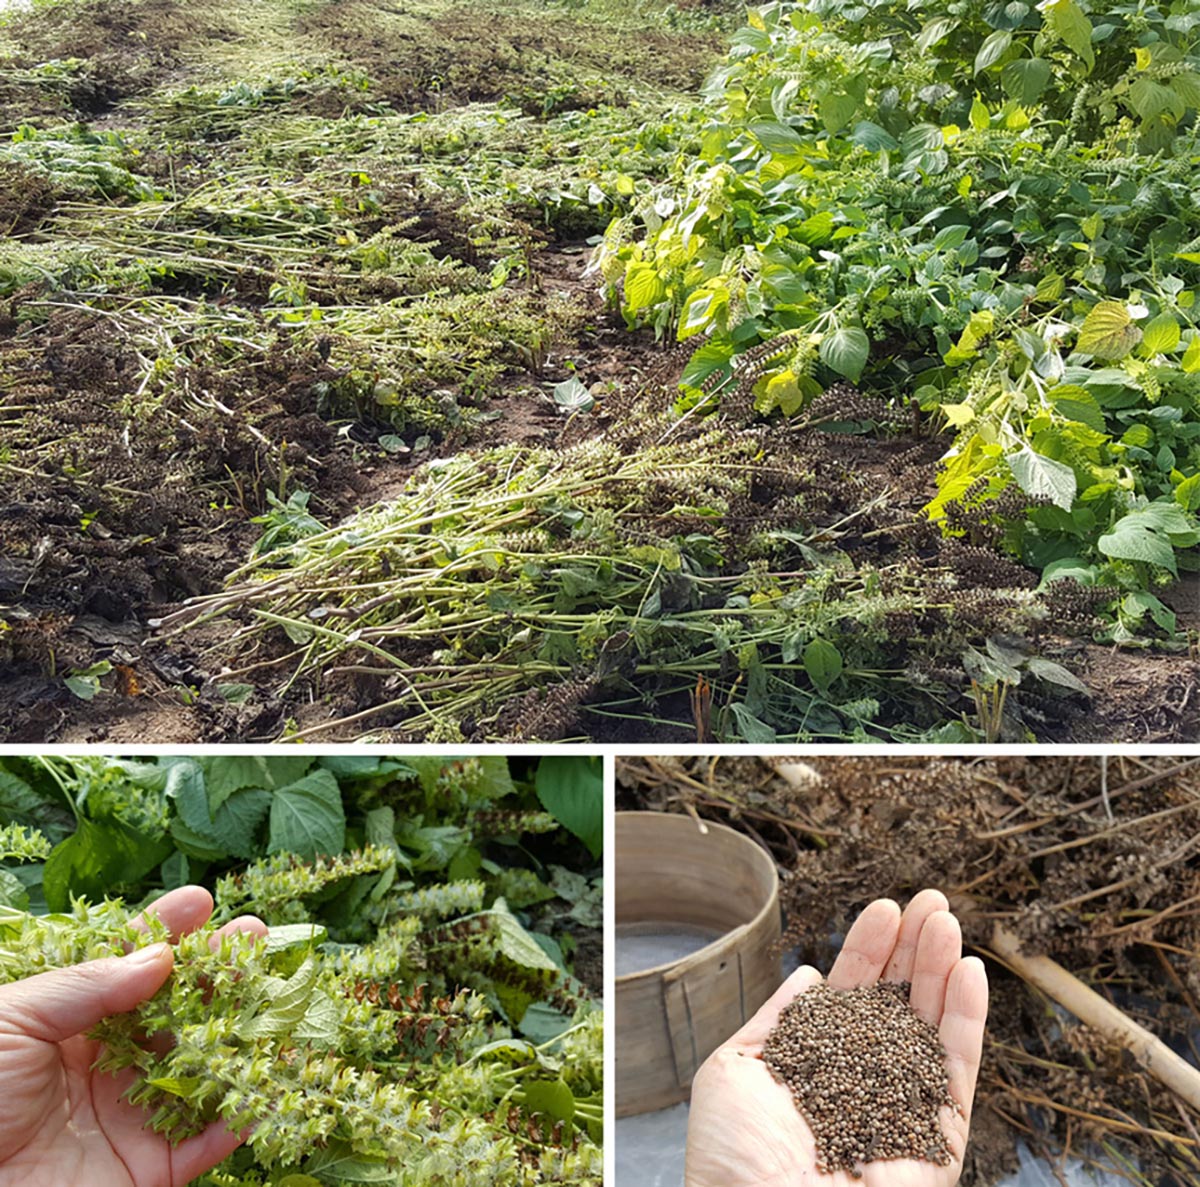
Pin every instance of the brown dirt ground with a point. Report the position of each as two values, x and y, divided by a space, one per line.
89 593
1020 841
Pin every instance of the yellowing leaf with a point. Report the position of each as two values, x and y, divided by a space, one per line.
643 286
1108 331
1142 57
1191 356
958 415
1161 335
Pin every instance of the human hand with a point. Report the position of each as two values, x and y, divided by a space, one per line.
745 1130
64 1123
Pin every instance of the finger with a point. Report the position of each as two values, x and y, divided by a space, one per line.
58 1005
963 1021
752 1036
195 1155
904 958
938 952
868 947
244 924
183 910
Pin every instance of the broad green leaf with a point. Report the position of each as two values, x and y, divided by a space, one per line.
750 728
1043 477
380 826
700 310
710 358
1108 331
823 663
182 1086
225 774
1048 670
337 1164
776 137
281 1004
846 351
934 31
815 230
551 1098
175 871
294 935
1191 357
1187 87
96 859
1078 404
571 789
1135 539
1149 98
1161 335
1050 287
319 1026
989 670
1141 602
307 817
1068 21
231 831
922 138
1025 79
19 803
873 138
12 891
573 395
950 238
1187 493
643 286
837 110
994 47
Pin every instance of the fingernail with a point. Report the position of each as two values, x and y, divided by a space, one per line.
151 954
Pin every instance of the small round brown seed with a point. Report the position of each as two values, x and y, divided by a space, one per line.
866 1072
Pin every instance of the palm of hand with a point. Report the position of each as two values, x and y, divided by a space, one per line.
773 1145
68 1124
64 1122
745 1130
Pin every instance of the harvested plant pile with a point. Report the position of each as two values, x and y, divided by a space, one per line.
249 256
533 592
411 1018
867 1072
1027 843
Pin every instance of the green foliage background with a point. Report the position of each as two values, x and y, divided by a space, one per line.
988 208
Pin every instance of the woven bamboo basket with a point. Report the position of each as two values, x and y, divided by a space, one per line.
672 1017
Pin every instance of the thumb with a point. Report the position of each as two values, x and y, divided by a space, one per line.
754 1034
57 1005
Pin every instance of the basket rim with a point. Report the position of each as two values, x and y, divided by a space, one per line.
655 972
